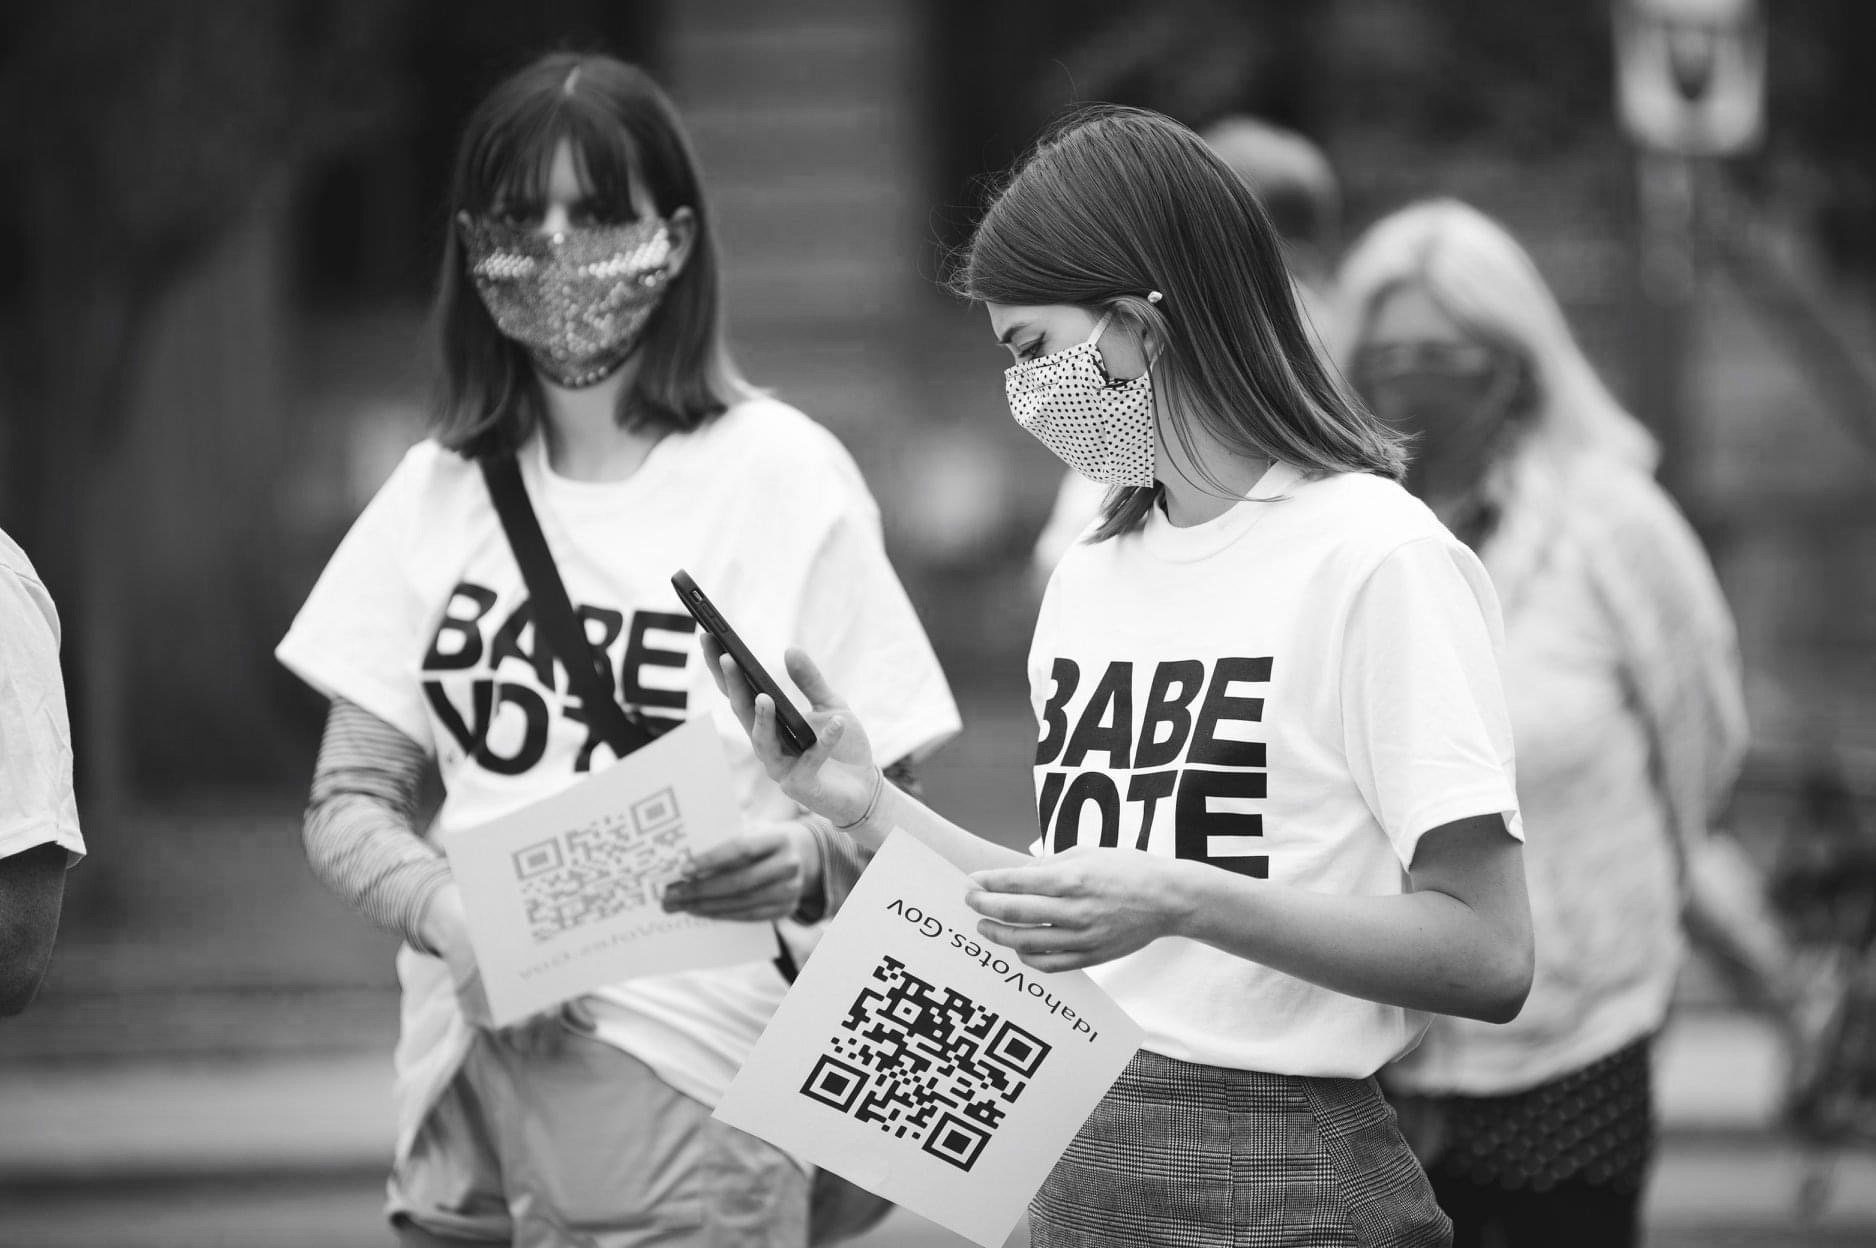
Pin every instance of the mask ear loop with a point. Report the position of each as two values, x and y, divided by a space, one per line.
1100 327
1153 296
1211 488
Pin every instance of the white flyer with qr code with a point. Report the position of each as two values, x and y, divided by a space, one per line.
565 895
925 1064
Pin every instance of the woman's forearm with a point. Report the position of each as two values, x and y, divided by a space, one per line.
898 809
840 859
375 863
1423 950
360 835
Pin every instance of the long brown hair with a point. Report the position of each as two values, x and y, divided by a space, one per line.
619 124
1476 272
1114 203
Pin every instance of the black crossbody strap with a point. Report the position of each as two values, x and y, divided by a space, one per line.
554 621
557 627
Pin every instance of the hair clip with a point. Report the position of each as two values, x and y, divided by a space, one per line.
1153 296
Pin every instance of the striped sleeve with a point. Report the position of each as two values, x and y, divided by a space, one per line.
360 831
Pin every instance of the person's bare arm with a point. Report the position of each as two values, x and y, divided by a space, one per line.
32 891
837 778
1459 942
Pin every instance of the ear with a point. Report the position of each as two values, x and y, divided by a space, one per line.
1133 316
1150 343
683 227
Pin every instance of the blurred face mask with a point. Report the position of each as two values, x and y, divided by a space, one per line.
1455 400
577 300
1101 428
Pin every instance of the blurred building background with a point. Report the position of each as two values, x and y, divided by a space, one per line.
222 231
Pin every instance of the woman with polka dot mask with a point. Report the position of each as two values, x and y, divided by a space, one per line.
1099 426
1273 767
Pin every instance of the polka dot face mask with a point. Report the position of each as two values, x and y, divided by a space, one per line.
1101 428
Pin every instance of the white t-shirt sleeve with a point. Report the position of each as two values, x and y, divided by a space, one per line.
1423 712
861 630
357 635
36 803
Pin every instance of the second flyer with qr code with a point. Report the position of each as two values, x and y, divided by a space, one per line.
925 1064
565 895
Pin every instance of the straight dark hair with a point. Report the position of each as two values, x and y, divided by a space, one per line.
619 124
1114 203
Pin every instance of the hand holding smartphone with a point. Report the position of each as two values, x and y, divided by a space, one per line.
797 736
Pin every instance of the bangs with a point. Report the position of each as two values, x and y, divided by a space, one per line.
510 163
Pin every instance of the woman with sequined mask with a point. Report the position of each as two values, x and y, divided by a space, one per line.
1273 773
583 357
1622 678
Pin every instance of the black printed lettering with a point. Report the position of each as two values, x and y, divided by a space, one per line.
533 739
467 604
507 645
1106 724
1090 786
1196 823
1148 787
468 737
1066 676
640 654
576 712
1169 709
1208 748
611 624
1046 800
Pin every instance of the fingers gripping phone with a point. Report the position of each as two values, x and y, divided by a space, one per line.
796 735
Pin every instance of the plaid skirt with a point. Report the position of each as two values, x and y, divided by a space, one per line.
1179 1154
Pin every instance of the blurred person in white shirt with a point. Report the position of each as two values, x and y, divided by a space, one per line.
1621 672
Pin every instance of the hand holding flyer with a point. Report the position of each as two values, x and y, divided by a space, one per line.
925 1064
563 895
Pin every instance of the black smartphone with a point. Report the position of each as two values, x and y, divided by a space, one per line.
796 735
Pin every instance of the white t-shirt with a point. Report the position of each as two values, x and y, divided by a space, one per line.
421 619
1585 554
36 803
1297 690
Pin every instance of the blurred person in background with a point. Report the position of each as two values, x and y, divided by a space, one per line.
1275 802
580 332
1622 675
39 836
1294 182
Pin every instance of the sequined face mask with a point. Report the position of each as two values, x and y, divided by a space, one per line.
1101 428
576 300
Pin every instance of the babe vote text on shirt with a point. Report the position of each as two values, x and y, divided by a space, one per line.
474 636
1158 755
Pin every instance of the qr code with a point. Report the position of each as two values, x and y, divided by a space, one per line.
926 1062
618 863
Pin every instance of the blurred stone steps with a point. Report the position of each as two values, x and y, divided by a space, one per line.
805 119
